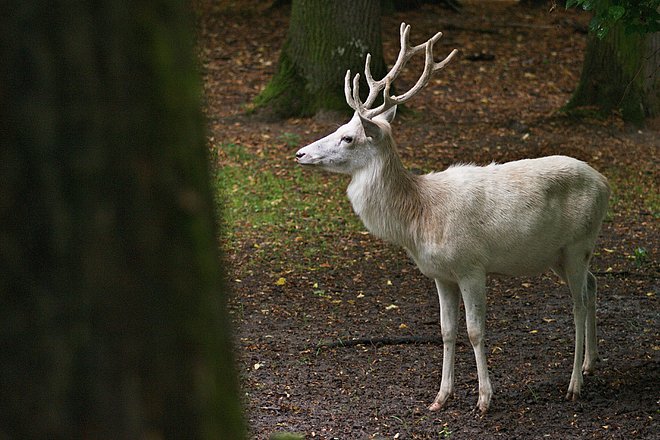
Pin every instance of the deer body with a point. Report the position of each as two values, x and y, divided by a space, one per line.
510 219
461 224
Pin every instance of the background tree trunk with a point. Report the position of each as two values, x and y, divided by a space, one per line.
325 39
620 73
112 316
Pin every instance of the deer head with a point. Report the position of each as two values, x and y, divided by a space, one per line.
353 145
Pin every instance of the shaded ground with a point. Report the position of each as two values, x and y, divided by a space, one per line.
475 111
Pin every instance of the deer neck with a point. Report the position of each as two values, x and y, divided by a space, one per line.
387 199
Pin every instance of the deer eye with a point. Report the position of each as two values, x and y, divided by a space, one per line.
347 139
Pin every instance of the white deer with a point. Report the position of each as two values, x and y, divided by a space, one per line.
459 225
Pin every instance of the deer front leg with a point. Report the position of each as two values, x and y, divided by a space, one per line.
473 290
448 294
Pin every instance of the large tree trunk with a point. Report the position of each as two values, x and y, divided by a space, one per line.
325 39
620 73
112 316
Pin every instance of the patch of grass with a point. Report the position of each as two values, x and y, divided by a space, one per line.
290 139
279 209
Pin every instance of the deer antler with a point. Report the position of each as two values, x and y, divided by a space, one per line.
375 87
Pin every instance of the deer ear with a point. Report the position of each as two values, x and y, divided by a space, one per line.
371 129
388 115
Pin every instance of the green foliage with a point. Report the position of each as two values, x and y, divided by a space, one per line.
641 256
636 16
445 432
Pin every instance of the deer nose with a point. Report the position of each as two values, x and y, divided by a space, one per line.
299 155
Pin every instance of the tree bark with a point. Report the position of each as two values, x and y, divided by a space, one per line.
112 308
620 73
325 38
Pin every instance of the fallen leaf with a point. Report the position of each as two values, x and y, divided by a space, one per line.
281 281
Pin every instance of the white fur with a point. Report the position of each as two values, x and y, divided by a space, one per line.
517 218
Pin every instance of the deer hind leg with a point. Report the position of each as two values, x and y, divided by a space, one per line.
473 290
449 296
573 269
591 336
591 341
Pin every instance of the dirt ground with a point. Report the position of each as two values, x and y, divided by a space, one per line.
498 107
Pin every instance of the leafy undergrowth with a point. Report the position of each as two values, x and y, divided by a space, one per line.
304 271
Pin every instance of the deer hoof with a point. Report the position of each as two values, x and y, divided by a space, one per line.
589 366
481 409
573 396
435 406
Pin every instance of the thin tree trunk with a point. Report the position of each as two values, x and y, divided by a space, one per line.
112 319
325 39
620 74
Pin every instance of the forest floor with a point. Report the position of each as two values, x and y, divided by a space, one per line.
303 270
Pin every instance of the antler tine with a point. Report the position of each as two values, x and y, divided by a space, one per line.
444 62
356 93
348 93
374 88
